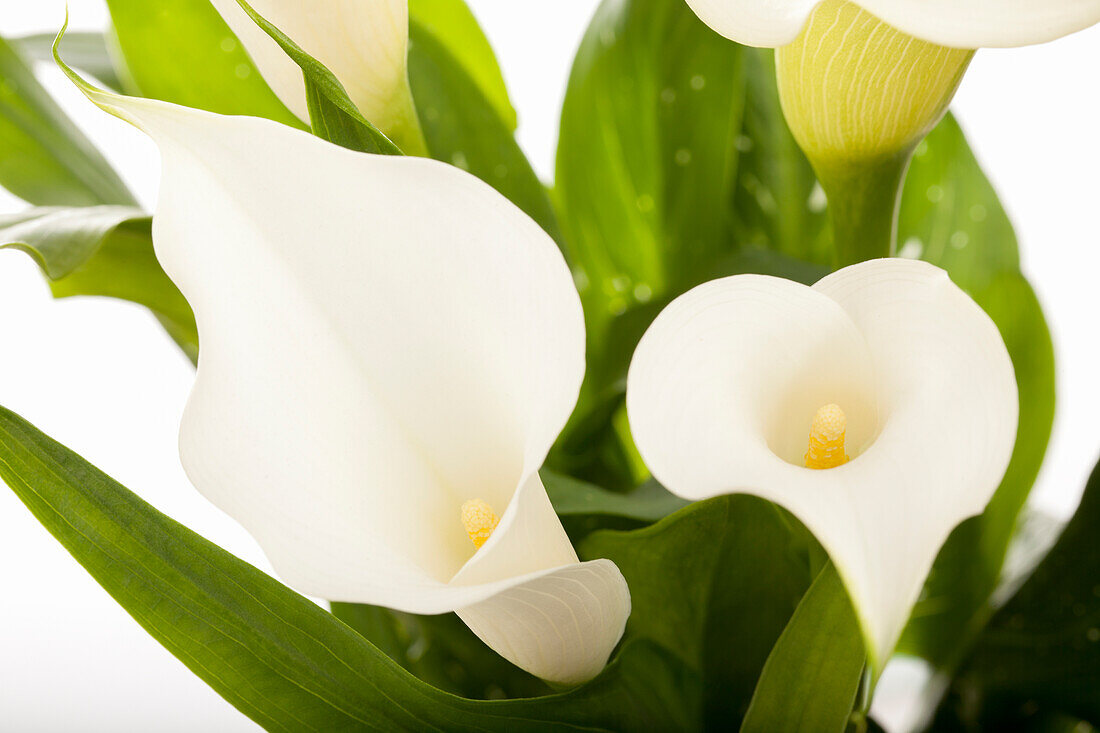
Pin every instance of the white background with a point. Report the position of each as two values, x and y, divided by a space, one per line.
101 377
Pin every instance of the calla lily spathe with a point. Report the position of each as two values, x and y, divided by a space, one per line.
724 385
364 43
954 23
383 339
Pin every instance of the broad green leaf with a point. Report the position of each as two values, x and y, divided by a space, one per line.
279 658
182 51
452 24
462 126
332 114
102 250
811 677
1037 662
951 217
647 156
86 50
44 158
714 584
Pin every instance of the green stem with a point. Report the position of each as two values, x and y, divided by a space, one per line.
864 198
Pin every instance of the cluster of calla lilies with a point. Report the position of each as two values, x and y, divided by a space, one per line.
390 347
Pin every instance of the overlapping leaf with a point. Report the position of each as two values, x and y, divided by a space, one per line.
1038 661
102 250
44 158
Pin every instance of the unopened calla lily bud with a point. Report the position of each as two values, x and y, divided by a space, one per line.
859 95
363 42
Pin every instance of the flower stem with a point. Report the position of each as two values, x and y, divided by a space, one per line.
864 197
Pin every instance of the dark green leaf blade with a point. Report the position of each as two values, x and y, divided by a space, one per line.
649 502
44 158
85 50
279 658
332 113
102 250
463 127
1039 656
811 677
714 585
442 651
182 51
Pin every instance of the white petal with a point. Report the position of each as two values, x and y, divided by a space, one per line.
766 23
986 23
956 23
561 626
932 366
382 339
362 42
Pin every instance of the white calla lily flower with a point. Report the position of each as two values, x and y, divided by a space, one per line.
389 349
742 383
364 43
953 23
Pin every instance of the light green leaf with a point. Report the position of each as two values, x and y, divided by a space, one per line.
182 51
102 250
950 216
452 24
1038 660
714 584
811 677
276 656
462 127
44 158
85 50
332 114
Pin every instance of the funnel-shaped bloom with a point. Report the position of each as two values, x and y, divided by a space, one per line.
363 43
954 23
885 371
389 349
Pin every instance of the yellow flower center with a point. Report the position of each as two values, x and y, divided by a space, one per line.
827 438
480 520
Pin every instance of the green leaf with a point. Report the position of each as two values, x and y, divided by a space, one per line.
1038 660
649 502
452 24
778 204
442 651
714 585
463 127
85 50
44 158
647 157
333 115
951 216
102 250
182 51
811 677
279 658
